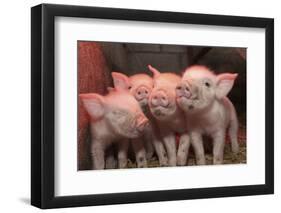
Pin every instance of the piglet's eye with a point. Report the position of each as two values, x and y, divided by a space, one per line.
130 87
207 84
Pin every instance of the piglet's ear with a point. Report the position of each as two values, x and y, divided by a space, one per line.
94 104
120 80
153 70
225 82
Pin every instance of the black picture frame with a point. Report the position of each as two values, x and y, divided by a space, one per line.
43 102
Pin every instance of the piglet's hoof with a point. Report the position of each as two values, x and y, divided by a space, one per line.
122 164
163 163
181 162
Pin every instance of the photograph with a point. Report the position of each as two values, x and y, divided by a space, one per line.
143 105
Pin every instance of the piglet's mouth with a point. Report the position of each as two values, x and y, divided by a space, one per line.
183 96
142 100
159 111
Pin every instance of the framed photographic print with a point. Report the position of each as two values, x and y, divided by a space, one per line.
139 106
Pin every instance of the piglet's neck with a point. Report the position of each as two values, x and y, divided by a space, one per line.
176 115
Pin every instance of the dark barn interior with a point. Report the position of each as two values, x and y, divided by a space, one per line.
96 60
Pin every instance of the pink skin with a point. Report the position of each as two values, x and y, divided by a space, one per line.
114 117
140 86
169 117
202 96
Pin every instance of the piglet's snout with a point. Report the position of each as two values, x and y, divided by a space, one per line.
141 93
183 90
142 123
159 98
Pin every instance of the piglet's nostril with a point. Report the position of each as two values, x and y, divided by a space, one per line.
178 87
159 98
183 90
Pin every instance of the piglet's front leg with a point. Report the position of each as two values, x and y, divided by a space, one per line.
161 152
140 153
159 149
110 162
123 153
97 154
197 144
149 149
218 149
170 144
183 150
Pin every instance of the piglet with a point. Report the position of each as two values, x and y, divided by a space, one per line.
169 117
202 96
140 86
115 117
